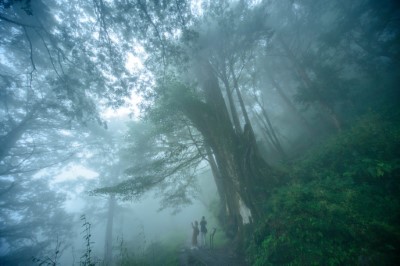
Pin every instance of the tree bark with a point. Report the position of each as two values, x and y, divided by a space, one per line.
239 95
109 231
234 114
220 186
237 158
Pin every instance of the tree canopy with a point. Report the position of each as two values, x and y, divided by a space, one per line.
243 88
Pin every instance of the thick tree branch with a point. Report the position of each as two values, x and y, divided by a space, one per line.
21 24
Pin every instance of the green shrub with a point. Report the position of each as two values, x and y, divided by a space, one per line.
328 222
342 206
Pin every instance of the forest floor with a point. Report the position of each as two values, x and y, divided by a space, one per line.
223 256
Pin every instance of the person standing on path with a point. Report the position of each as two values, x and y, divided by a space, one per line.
203 230
195 227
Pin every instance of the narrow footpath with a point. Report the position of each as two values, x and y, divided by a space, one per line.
210 257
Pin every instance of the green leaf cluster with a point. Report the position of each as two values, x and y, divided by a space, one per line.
342 205
366 152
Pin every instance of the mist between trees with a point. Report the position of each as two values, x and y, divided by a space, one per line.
121 122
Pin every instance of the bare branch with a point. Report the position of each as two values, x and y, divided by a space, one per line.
31 55
49 53
144 9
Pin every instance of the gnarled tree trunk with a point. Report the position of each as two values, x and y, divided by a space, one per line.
241 169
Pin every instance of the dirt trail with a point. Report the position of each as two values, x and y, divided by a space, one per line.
210 257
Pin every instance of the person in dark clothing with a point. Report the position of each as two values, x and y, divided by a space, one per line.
203 231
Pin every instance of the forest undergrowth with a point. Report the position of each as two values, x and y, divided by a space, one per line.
341 206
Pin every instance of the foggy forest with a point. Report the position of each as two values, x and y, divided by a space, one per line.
199 132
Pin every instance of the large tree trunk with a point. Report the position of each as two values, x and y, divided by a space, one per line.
109 231
234 113
239 95
241 168
223 212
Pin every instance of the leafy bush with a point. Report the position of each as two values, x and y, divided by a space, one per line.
370 149
342 206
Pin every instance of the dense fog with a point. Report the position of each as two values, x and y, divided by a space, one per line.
123 123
